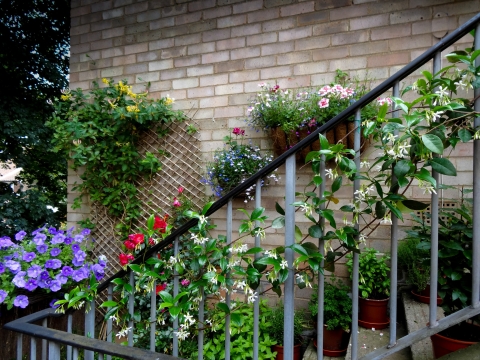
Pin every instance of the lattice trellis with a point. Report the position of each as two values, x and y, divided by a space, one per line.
181 167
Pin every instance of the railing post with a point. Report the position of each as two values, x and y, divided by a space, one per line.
33 349
131 307
153 312
175 293
69 330
90 327
201 321
289 240
321 276
44 342
228 295
53 351
109 320
19 346
256 304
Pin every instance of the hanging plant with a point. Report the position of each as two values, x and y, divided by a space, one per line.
101 131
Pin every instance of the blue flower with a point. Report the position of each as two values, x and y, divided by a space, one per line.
55 251
20 235
21 301
3 295
29 256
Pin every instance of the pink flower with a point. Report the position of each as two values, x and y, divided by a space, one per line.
238 131
323 103
176 203
185 282
325 90
130 245
123 259
160 287
136 238
180 189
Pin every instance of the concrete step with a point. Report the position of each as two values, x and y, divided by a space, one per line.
469 353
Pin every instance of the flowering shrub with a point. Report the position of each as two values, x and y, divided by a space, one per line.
235 163
47 261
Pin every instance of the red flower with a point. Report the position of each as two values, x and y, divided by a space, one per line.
176 203
136 238
160 224
151 241
160 287
130 245
123 259
238 131
130 257
180 189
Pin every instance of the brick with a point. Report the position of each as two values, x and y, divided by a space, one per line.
102 44
331 4
146 77
201 48
245 53
204 114
160 65
295 82
101 25
200 70
157 86
214 35
83 10
331 28
90 18
215 57
124 60
297 33
161 44
229 66
369 47
200 5
136 8
261 62
162 23
89 75
313 18
348 64
149 56
214 80
464 7
312 43
350 38
348 12
294 58
161 3
104 63
119 3
390 32
136 48
278 48
135 68
228 89
248 6
202 26
322 79
187 61
242 76
281 24
188 18
101 6
174 10
111 14
262 39
173 74
263 15
332 53
408 16
217 12
276 72
90 37
234 43
228 2
200 92
78 30
310 68
411 42
150 15
388 60
136 28
114 71
188 39
275 3
296 9
119 31
214 101
230 21
228 112
443 24
368 22
247 30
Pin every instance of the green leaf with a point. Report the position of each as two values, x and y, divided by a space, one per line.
236 319
315 231
223 307
394 210
299 249
257 213
424 175
317 180
279 209
136 268
278 223
206 207
443 166
433 143
324 144
380 210
402 168
298 233
337 183
109 303
464 135
382 112
414 205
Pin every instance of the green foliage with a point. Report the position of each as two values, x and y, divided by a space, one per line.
337 305
414 261
34 53
101 131
276 328
374 274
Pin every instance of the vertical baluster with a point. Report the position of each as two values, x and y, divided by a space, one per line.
109 320
75 353
289 240
321 276
201 320
175 293
131 307
393 251
33 348
356 187
44 342
19 346
69 330
90 327
153 313
437 63
256 304
53 351
476 193
228 295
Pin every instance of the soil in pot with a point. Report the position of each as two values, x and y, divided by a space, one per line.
373 313
455 338
297 352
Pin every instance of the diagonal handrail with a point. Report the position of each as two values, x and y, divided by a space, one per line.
280 160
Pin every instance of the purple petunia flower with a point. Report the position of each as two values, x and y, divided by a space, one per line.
55 251
31 284
55 285
78 238
20 235
29 256
42 249
49 264
80 274
75 248
44 275
3 295
53 264
79 258
52 304
39 239
58 239
98 271
19 279
5 242
35 232
67 271
45 284
2 268
85 232
21 301
34 270
13 265
62 278
68 240
52 230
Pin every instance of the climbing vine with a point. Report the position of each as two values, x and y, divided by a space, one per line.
101 131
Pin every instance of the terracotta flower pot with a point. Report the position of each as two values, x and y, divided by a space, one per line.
335 342
373 313
443 345
424 296
297 353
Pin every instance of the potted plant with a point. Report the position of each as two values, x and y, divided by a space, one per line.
276 331
291 115
337 317
374 288
234 163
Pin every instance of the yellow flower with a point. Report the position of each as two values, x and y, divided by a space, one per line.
133 108
169 100
65 97
105 81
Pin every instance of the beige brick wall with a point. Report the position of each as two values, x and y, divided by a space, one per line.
211 54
